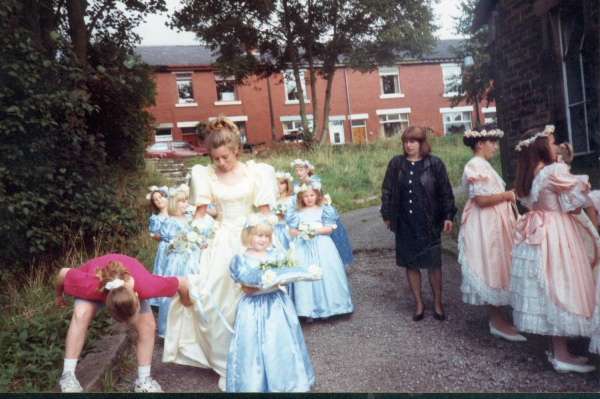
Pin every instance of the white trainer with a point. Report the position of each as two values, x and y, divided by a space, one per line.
148 384
68 383
222 384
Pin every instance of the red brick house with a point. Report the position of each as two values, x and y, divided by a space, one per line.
363 106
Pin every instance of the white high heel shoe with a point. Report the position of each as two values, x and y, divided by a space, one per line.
562 367
499 334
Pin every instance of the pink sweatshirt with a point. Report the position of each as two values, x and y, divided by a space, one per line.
82 283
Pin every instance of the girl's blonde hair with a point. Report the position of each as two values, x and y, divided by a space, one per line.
261 228
300 199
174 202
122 303
153 206
565 150
290 188
223 132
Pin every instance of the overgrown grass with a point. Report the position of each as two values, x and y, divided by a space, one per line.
353 175
32 329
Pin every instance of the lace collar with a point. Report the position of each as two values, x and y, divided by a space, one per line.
537 184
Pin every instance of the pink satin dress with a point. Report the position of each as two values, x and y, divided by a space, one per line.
552 289
485 240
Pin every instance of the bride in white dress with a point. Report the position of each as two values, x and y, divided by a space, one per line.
236 188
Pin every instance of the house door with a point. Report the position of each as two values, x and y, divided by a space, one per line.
359 131
336 132
572 36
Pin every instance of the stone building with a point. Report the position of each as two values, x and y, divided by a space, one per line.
545 56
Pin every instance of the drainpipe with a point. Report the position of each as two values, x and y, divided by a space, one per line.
348 101
273 136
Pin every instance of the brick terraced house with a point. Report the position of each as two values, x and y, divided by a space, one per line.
363 106
546 60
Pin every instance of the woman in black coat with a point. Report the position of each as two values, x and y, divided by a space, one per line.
417 204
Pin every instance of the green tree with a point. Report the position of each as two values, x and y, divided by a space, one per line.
68 126
259 39
476 82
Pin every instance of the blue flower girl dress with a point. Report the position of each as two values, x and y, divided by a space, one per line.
267 352
281 231
331 295
156 222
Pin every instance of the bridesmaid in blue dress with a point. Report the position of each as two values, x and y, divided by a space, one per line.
312 225
158 203
177 264
339 236
281 233
267 352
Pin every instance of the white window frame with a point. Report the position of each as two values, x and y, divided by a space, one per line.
296 126
388 118
288 77
180 79
489 110
236 100
390 71
163 126
456 110
447 77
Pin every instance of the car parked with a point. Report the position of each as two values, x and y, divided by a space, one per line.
174 149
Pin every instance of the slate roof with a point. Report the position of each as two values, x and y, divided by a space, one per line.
162 56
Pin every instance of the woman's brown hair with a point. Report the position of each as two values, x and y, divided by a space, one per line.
223 132
121 302
416 133
153 206
528 159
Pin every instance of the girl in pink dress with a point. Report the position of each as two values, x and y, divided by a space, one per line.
551 286
486 233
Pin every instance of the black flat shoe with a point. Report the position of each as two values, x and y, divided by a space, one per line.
419 317
440 317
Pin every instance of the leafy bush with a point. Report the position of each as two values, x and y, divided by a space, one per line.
67 129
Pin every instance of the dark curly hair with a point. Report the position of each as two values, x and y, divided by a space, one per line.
472 141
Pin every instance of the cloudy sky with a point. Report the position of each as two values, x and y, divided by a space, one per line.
155 33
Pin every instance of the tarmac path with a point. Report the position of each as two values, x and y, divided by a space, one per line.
380 349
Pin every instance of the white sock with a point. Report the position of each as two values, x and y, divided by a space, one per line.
69 365
143 372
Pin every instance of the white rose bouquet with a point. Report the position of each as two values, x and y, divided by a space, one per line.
280 208
195 237
306 232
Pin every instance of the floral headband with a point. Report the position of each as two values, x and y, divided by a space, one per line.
163 189
284 175
305 187
492 133
299 162
182 187
548 130
254 220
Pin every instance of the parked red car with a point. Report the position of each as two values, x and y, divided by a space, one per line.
174 149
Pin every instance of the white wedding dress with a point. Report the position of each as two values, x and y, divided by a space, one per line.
188 339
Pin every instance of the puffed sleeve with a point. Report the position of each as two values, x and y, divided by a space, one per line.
169 229
562 182
329 217
237 267
477 179
200 188
291 218
594 196
265 184
316 179
155 223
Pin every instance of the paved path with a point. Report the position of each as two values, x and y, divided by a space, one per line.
380 349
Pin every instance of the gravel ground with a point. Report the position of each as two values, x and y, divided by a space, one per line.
380 349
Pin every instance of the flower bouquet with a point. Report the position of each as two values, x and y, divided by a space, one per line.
306 232
196 235
280 208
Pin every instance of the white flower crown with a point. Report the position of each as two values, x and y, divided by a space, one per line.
284 175
163 189
548 130
305 187
182 187
254 220
299 162
492 133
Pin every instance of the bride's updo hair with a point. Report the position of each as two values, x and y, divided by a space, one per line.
223 132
